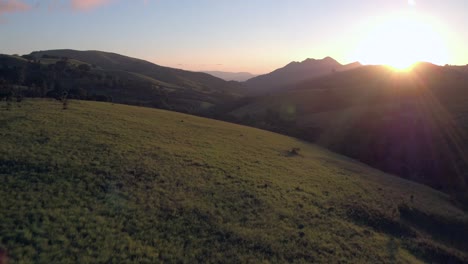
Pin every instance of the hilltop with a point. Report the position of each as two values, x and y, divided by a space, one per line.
102 182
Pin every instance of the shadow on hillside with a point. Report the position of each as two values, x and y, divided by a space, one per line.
379 221
413 226
448 231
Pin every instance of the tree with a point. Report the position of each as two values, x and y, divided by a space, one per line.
78 93
19 99
7 93
84 67
44 88
61 65
64 99
29 57
20 73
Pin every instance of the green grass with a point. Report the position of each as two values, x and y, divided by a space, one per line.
111 183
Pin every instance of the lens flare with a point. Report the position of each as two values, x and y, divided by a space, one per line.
401 40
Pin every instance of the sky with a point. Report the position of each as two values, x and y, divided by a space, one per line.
255 36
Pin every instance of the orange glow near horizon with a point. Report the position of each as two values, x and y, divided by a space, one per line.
400 40
402 68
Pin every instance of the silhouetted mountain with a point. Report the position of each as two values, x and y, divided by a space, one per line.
232 76
296 72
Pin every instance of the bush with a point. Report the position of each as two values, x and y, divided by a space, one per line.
294 151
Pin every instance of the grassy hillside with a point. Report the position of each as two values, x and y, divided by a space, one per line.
111 183
412 124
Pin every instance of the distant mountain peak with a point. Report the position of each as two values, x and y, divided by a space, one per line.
296 72
327 59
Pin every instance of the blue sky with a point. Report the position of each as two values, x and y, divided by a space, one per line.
242 35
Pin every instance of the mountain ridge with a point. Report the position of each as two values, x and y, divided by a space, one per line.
295 72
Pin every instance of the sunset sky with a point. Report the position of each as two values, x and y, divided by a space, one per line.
257 36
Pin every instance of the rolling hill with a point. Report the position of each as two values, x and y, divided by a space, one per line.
98 75
295 72
112 61
102 182
411 124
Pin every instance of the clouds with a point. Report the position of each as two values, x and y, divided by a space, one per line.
72 5
16 6
84 5
13 6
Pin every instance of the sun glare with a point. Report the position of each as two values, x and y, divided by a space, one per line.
401 40
401 67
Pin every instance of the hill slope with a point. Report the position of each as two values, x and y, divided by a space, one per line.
112 183
295 72
112 61
411 124
96 75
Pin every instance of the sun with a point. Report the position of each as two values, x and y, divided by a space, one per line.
400 40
